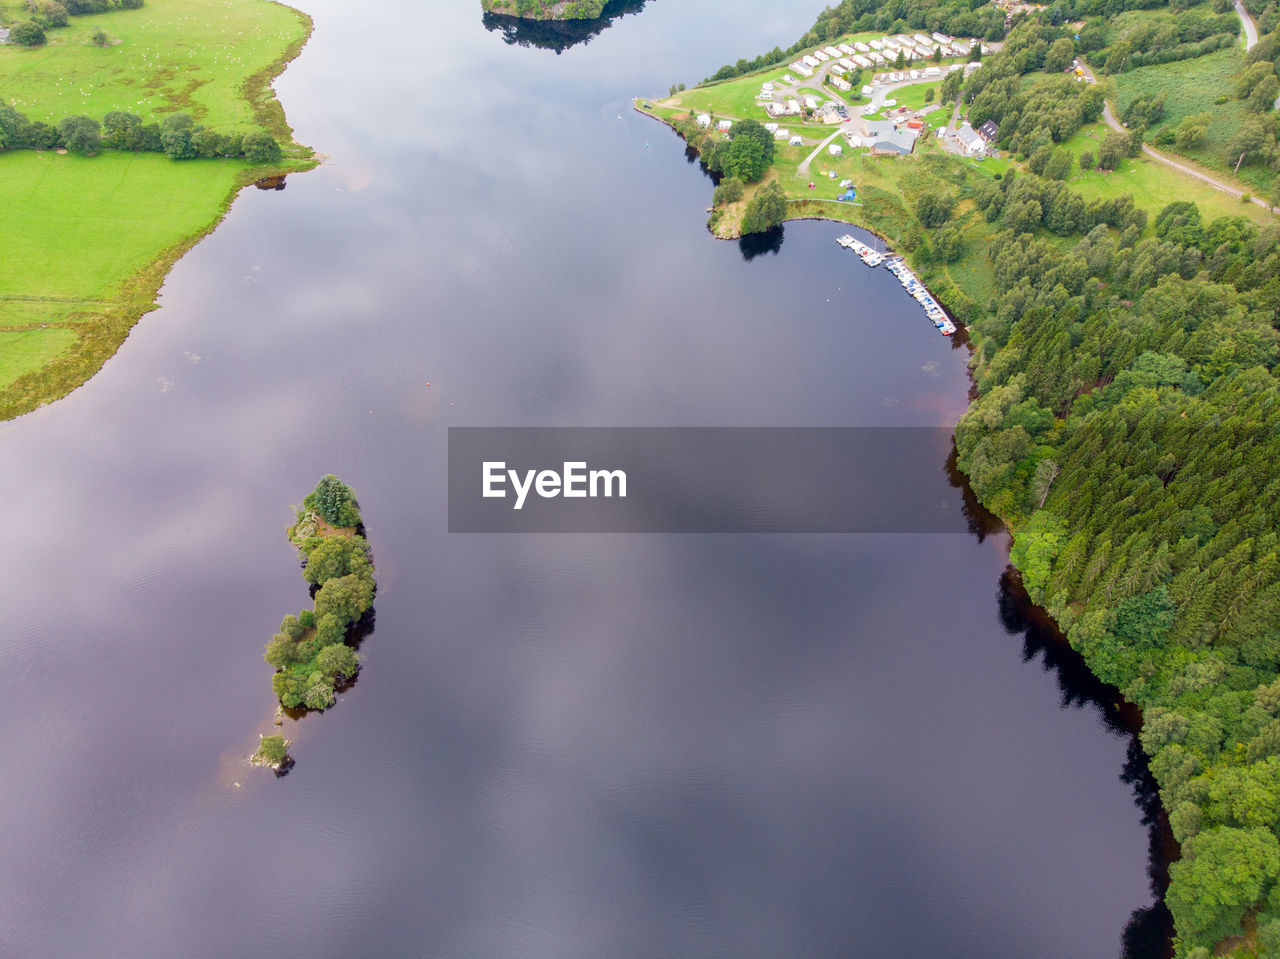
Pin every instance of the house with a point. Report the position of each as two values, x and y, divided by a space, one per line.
921 38
969 140
877 44
969 68
835 70
862 61
862 48
764 95
829 114
942 38
888 43
766 86
775 109
812 61
868 91
771 127
835 149
724 126
793 107
796 141
801 69
833 52
810 102
704 120
932 72
885 137
781 133
846 49
876 57
839 84
846 62
989 131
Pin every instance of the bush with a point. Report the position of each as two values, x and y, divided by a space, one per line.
1086 160
262 148
272 751
28 33
729 191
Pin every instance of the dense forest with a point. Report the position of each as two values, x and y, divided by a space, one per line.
1127 426
1126 423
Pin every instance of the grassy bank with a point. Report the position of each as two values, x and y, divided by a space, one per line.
87 241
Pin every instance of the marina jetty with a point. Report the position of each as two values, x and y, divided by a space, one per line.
910 282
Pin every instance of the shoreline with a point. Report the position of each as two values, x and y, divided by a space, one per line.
102 332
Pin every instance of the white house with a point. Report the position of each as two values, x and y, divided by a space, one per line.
969 139
810 102
793 107
932 72
861 47
766 86
771 127
724 126
810 60
796 141
876 57
877 44
839 84
801 69
781 133
868 90
942 38
835 149
862 61
704 120
832 52
846 49
920 38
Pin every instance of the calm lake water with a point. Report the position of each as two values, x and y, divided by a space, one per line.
561 746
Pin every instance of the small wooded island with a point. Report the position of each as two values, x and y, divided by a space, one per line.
311 652
545 9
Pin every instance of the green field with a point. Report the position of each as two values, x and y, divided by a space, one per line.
85 242
1191 87
169 55
1152 184
76 233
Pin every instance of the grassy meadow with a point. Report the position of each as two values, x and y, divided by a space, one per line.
85 242
169 55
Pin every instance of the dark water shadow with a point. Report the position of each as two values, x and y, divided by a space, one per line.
1149 931
558 35
757 244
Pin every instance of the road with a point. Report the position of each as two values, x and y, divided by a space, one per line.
1250 29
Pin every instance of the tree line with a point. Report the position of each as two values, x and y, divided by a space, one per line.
177 136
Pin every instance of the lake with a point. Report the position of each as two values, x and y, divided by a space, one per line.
638 745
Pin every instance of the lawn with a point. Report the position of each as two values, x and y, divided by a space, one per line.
169 55
27 350
75 227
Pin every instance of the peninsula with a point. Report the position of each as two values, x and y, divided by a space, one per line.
1091 197
127 127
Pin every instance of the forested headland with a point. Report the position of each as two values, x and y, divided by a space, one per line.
1124 321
